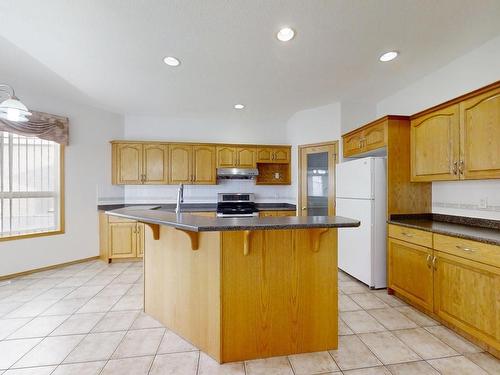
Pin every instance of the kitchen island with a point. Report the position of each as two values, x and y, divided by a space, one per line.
243 288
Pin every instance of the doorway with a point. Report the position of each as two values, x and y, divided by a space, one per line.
317 178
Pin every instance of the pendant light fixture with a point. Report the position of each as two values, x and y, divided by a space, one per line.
12 108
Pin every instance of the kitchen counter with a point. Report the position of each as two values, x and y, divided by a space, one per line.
481 230
200 207
194 223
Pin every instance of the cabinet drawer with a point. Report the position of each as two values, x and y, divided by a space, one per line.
116 219
478 251
415 236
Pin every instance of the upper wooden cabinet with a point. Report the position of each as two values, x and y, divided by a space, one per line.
232 157
204 171
273 155
435 145
192 164
460 140
158 163
480 135
155 162
181 163
367 138
137 163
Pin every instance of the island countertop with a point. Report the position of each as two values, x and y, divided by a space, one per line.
195 223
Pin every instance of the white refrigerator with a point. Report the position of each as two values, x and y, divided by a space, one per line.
361 194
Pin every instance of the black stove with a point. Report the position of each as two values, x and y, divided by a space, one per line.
236 205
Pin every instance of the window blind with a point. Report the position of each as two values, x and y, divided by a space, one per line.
29 185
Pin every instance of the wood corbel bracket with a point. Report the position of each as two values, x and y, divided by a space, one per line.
246 242
194 238
156 230
316 238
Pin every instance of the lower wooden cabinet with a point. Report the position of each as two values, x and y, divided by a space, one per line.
467 294
120 238
410 272
457 281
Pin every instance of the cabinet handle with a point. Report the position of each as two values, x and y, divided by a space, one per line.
429 260
434 263
407 234
461 168
455 167
468 249
304 208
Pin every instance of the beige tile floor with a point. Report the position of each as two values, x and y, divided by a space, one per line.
86 319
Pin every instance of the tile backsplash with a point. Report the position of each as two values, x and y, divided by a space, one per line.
474 198
207 193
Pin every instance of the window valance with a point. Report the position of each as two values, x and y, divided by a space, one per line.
42 125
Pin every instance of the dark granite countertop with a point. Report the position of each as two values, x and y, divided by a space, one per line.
482 230
196 223
199 207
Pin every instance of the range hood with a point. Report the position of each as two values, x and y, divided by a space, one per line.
237 173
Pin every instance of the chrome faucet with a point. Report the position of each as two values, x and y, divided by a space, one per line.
180 198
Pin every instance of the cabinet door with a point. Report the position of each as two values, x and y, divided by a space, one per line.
128 163
281 155
265 155
204 170
374 137
122 240
140 239
352 144
155 165
410 271
245 157
467 294
480 136
434 145
181 163
226 157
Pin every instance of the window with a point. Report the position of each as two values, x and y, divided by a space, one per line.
30 186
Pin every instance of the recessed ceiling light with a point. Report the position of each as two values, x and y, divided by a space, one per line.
171 61
239 106
388 56
285 34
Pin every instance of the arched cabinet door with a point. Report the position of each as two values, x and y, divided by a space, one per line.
181 170
246 157
204 171
226 157
129 164
155 164
435 145
480 136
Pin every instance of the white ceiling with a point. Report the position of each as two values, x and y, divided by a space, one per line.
112 50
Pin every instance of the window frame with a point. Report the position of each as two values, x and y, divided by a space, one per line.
62 228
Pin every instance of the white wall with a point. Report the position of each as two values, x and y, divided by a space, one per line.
469 72
313 125
87 158
233 127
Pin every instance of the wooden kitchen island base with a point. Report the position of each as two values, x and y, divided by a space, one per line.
245 294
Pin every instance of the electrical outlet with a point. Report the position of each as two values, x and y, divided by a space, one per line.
483 203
